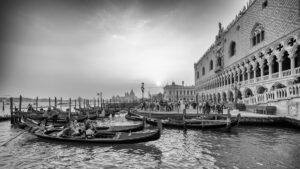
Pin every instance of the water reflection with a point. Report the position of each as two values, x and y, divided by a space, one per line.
243 147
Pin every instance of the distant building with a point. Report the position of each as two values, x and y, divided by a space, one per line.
157 97
129 97
176 92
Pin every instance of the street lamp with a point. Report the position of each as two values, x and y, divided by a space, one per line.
143 89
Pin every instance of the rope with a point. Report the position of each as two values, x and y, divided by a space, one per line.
13 138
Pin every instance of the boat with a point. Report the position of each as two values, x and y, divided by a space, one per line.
128 128
189 123
100 137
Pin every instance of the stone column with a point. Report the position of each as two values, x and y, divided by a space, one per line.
292 64
254 72
261 70
270 69
280 68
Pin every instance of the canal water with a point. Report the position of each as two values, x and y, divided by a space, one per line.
243 147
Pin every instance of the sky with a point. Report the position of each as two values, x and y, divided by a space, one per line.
72 48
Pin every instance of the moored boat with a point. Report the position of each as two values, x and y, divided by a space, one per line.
100 137
189 123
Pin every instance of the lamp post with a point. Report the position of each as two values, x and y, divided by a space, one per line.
143 89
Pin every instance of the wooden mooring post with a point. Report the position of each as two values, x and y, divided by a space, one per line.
75 104
11 110
61 102
20 103
3 107
49 102
70 103
37 103
79 102
55 102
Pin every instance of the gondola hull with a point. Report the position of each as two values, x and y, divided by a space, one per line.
120 138
193 124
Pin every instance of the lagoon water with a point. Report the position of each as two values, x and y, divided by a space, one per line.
244 147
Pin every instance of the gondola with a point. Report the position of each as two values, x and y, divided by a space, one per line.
189 123
101 138
129 128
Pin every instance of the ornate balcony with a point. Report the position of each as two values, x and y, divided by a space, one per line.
286 73
275 75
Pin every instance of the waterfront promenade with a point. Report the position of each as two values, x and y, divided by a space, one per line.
247 118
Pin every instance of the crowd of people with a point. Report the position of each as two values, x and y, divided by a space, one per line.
203 107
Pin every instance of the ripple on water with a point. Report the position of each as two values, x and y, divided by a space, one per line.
244 147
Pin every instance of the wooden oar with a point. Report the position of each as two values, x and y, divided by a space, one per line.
13 138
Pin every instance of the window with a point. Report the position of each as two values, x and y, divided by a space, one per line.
211 67
257 34
198 75
265 4
203 71
232 48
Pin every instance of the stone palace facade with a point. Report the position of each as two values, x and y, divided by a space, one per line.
256 59
175 92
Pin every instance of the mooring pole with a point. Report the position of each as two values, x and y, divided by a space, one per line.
83 103
79 100
55 102
94 102
37 103
61 102
70 102
11 110
75 103
49 102
20 103
3 108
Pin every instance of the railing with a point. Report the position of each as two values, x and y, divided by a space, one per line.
266 77
261 98
275 75
246 82
294 90
258 79
286 73
297 70
270 96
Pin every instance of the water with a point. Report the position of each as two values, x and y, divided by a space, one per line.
244 147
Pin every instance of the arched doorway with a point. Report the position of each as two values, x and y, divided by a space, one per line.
248 93
251 72
219 97
297 57
265 68
261 90
258 73
224 97
286 63
230 96
275 66
277 85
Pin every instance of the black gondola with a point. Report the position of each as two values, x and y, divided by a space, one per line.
100 137
189 123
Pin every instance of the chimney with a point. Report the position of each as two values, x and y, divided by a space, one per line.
182 83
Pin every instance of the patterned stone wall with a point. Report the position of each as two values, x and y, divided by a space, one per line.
279 18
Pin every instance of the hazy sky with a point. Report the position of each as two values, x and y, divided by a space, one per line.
77 48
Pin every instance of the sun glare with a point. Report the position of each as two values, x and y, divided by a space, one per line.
158 83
